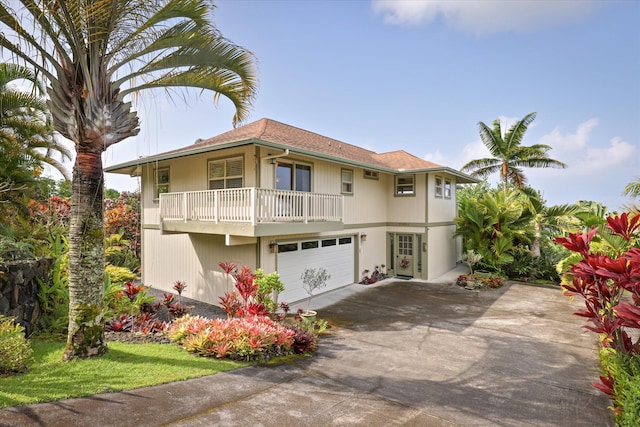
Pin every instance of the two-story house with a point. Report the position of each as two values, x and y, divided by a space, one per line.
273 196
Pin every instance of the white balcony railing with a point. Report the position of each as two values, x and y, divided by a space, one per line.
250 205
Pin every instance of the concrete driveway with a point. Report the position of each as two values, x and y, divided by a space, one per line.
401 353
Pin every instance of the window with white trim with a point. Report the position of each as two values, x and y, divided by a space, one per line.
161 180
438 187
370 174
447 188
226 173
405 185
347 181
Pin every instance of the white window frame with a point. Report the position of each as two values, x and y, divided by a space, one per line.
225 178
346 184
164 186
438 184
447 188
399 189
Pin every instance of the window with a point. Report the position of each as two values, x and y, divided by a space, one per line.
344 240
287 247
310 245
370 174
226 173
347 181
328 242
161 182
293 177
405 185
438 192
447 188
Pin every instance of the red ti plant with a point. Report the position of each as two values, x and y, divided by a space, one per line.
244 300
603 281
228 267
179 286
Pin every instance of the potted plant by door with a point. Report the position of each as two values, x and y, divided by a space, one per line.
312 279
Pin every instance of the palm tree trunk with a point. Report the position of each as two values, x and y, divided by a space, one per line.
535 246
86 257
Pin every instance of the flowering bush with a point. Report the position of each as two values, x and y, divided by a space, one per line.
247 338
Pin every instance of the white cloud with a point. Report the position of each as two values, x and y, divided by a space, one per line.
486 16
570 142
605 159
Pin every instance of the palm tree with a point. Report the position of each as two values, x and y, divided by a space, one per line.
26 140
509 155
557 219
26 133
94 55
632 189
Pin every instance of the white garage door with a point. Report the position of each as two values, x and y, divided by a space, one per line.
336 255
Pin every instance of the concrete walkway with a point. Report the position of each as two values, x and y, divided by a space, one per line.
401 353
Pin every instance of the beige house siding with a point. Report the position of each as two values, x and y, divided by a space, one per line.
442 250
193 259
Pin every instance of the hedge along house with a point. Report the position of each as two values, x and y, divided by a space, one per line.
276 197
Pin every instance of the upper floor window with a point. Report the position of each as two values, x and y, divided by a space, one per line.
226 173
347 181
405 185
293 177
438 187
161 182
447 188
370 174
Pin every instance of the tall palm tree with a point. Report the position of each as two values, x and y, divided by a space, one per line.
509 155
94 55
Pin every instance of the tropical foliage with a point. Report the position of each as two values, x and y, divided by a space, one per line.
607 277
493 224
26 139
94 55
509 155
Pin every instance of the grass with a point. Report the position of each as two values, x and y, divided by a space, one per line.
124 367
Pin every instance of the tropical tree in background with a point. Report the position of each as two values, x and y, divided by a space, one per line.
509 155
493 223
26 135
94 55
632 189
556 219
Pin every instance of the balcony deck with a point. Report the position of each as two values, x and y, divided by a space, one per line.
250 212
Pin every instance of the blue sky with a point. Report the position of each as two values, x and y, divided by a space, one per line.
419 76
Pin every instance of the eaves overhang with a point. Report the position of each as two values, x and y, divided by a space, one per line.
131 166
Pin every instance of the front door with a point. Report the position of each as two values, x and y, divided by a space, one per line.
404 256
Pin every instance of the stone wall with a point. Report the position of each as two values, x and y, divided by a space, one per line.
19 289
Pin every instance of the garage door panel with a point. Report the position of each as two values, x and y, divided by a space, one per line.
337 259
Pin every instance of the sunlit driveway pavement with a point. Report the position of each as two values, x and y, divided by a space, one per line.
401 353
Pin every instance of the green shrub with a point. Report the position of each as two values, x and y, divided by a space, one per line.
14 347
119 274
11 249
625 370
54 293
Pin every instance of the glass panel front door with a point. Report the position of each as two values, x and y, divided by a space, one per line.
404 257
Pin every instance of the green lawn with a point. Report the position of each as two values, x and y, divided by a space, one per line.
124 367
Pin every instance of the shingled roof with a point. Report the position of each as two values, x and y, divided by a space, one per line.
269 132
304 141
